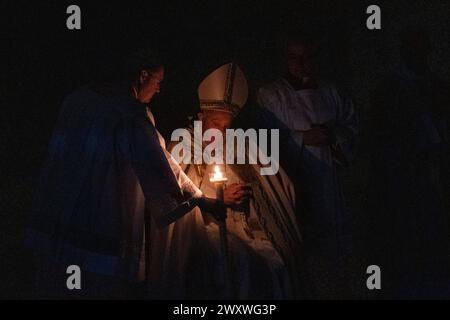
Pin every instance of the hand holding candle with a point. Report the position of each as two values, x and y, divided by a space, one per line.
236 195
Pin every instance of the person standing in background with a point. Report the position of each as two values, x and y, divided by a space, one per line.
320 127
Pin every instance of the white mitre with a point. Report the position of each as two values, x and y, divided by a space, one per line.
224 89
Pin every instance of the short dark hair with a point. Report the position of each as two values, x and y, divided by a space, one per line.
142 59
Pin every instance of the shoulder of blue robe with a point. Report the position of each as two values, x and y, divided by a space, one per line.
100 143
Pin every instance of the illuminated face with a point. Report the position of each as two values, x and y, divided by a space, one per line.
149 84
300 60
215 119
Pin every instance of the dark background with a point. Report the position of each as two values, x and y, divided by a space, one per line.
41 61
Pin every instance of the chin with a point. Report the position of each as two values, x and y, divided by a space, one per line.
147 100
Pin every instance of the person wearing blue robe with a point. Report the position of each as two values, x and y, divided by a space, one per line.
105 180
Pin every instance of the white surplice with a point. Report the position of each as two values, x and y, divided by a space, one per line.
160 237
185 255
324 223
257 268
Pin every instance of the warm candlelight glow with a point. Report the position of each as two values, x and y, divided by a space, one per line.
217 175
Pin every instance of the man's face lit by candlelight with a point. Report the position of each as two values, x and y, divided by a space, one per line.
149 84
216 119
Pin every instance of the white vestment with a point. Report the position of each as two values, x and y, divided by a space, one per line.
324 224
256 264
264 243
186 185
185 255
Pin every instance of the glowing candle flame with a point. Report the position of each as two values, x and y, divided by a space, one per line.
217 175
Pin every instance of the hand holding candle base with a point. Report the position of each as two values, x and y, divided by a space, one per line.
212 206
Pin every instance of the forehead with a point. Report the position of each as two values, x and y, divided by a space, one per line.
218 115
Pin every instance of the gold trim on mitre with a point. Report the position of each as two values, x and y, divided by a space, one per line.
224 89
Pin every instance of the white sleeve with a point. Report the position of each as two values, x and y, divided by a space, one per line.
183 180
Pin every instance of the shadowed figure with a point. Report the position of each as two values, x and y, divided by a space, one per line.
105 181
318 128
409 131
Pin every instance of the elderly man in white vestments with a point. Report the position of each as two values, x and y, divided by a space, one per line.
321 126
263 237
